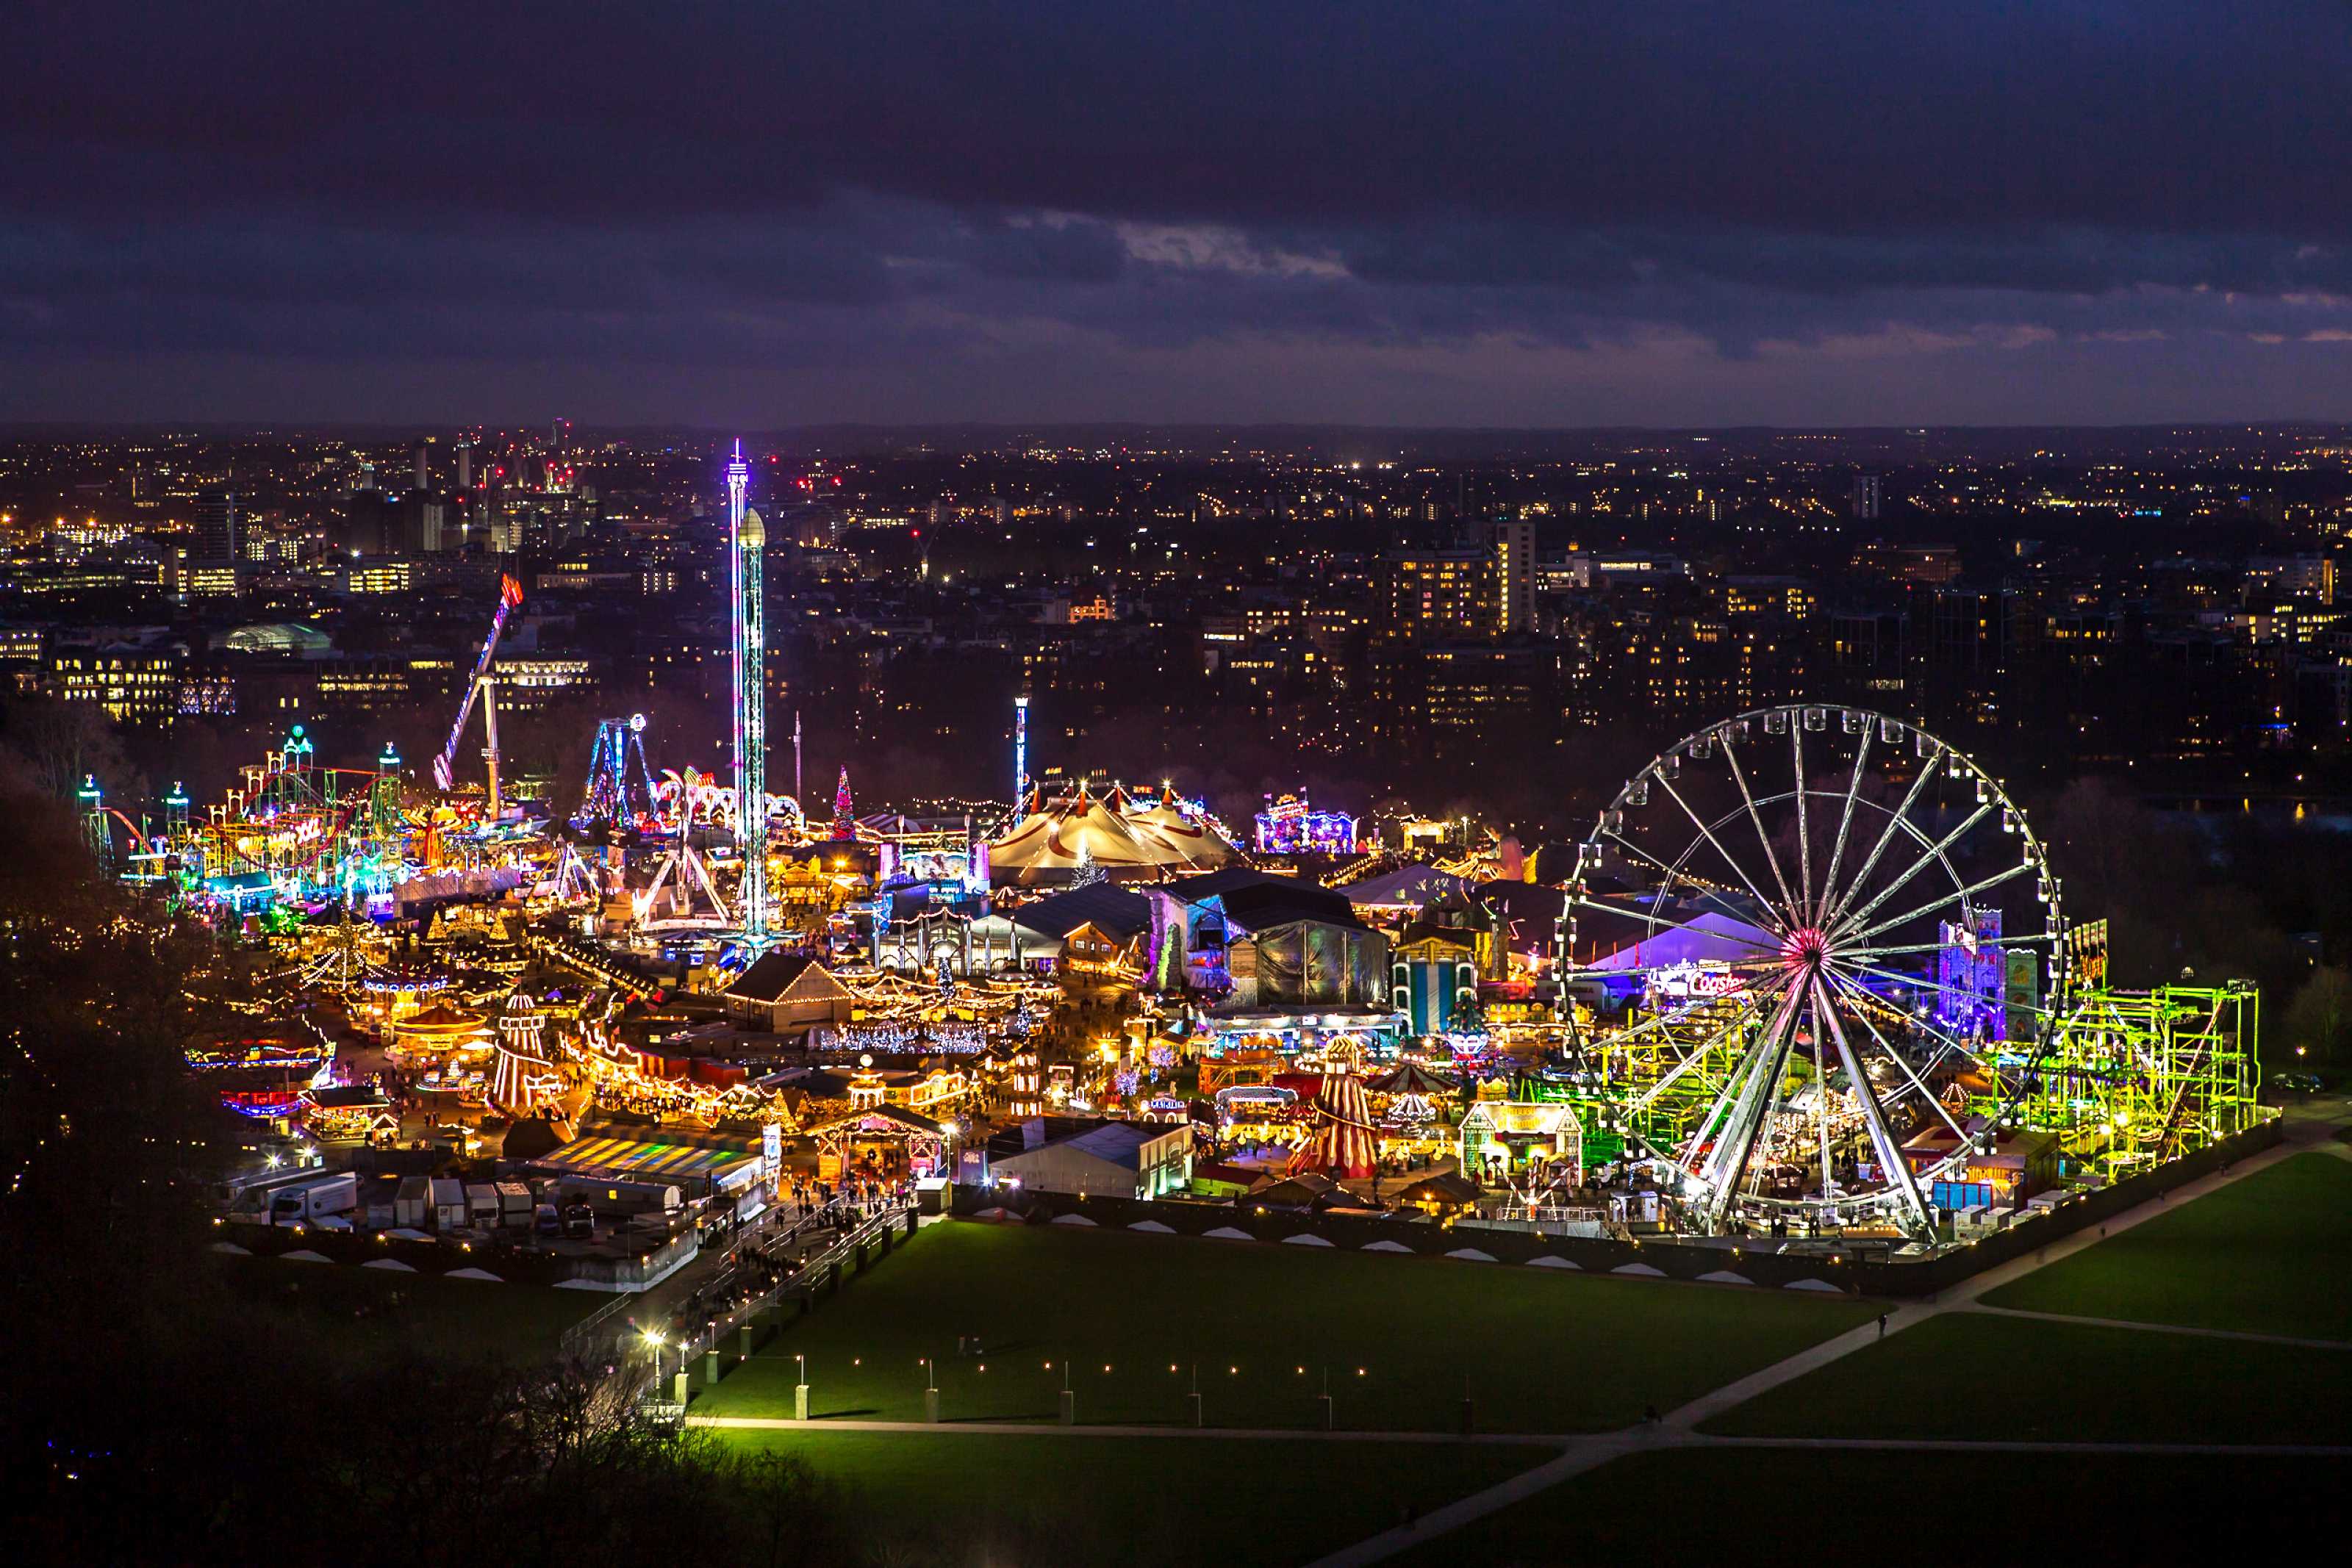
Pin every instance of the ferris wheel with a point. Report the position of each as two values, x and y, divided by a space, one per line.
1822 951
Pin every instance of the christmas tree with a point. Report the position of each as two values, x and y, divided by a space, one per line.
840 806
1086 873
1171 974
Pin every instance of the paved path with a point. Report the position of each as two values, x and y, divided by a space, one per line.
2310 1128
2027 1446
2165 1328
1056 1429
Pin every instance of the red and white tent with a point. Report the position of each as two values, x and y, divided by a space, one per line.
1345 1134
1054 836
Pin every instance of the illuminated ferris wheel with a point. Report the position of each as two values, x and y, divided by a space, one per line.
1819 950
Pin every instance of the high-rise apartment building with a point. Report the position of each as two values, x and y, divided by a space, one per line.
1515 576
1441 594
216 521
1869 492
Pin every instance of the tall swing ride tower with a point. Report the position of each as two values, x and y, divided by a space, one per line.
746 541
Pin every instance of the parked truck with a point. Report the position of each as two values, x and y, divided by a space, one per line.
317 1198
250 1200
615 1199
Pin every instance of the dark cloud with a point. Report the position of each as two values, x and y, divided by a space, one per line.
1702 209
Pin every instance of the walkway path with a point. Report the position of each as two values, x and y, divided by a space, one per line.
2165 1328
1056 1429
2314 1127
2029 1445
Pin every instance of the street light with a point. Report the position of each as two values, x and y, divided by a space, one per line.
654 1340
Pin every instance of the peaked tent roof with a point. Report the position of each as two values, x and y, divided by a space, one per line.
1047 844
1411 1078
1421 884
1712 938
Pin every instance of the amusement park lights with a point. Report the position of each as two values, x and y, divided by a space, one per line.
746 543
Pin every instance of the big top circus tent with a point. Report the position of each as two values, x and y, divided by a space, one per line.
1126 842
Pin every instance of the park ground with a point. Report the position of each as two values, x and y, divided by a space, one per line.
2077 1397
1130 1320
2223 1317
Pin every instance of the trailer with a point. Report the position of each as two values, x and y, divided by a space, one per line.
380 1201
515 1203
248 1201
302 1202
481 1205
607 1195
411 1202
448 1200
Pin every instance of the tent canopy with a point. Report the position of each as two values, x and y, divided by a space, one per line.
1052 840
1712 938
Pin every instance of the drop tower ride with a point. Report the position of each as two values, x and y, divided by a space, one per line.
746 540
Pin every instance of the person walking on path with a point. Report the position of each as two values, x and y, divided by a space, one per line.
1881 1325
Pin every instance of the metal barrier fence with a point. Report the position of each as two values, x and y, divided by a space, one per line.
644 1379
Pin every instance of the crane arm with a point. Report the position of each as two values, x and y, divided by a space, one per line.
509 595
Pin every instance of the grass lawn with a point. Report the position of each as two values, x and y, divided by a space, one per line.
2270 1254
383 1306
1059 1502
1539 1351
1977 1376
2097 1508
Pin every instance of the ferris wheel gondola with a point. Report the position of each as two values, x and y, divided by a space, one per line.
1828 945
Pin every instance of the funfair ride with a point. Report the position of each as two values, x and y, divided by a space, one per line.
478 685
313 832
746 544
1775 900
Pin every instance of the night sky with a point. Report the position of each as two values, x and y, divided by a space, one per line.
1433 214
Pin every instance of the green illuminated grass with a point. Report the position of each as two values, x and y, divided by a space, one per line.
1068 1502
1980 1376
1539 1351
2268 1254
1764 1506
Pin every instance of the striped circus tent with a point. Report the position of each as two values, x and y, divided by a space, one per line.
1054 838
1345 1136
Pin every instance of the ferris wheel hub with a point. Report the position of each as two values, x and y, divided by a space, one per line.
1806 947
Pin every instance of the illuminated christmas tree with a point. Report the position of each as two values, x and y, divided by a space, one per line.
840 806
1086 872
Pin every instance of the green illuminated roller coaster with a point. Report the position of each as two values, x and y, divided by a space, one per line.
2132 1078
